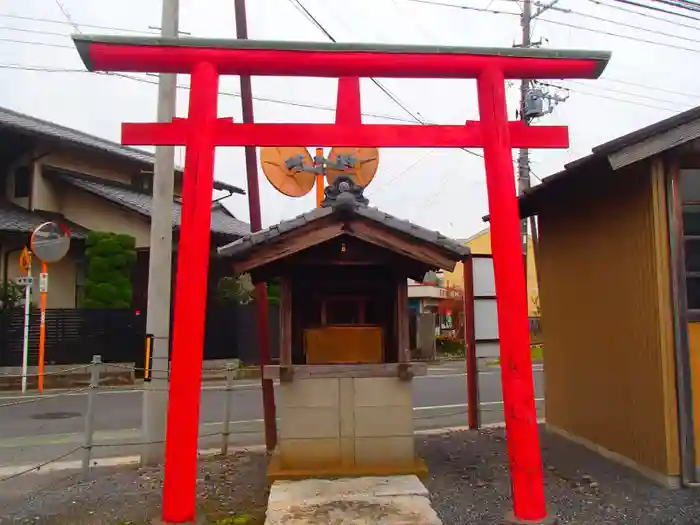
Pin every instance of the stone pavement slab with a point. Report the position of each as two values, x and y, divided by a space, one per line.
394 500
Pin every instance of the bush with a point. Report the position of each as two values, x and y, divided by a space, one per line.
448 345
111 257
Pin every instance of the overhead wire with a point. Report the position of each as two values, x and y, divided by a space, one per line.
300 7
657 9
599 95
646 15
62 22
616 22
392 96
680 4
438 3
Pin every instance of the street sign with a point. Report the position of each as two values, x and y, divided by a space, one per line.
25 259
43 282
24 281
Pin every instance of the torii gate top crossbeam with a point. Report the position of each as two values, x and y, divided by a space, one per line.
314 59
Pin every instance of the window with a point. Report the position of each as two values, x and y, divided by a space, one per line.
142 182
690 197
22 182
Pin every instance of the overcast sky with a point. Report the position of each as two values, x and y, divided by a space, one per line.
439 189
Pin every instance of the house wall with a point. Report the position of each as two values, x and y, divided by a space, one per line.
106 167
62 275
606 315
93 164
481 245
99 215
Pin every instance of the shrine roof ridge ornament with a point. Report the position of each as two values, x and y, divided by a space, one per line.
344 199
325 59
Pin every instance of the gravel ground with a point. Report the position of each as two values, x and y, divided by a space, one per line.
230 491
469 484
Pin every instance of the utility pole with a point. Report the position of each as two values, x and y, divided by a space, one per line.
251 164
155 395
532 105
524 155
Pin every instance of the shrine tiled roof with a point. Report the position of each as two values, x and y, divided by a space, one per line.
354 205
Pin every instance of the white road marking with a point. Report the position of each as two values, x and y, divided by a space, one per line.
245 386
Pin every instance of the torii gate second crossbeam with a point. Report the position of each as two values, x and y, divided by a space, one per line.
206 59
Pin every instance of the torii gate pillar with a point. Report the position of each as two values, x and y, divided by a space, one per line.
201 132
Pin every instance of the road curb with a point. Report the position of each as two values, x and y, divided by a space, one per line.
60 466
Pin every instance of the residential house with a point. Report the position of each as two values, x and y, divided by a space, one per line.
51 172
480 244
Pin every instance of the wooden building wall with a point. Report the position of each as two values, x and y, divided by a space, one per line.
606 312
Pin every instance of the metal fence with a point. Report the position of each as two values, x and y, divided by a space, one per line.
96 368
428 419
73 336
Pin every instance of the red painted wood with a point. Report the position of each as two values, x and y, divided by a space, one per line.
511 290
348 109
470 343
229 133
332 64
179 490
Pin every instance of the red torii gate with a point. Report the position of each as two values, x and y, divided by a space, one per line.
206 59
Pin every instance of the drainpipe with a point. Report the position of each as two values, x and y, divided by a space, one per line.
686 429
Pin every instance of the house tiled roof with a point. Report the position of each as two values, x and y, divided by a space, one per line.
33 126
356 206
222 221
14 218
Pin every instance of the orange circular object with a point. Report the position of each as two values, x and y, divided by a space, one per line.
366 164
290 181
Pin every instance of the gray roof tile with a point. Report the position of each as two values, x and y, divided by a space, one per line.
14 218
222 221
245 243
32 125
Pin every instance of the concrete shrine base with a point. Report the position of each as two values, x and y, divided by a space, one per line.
395 500
342 425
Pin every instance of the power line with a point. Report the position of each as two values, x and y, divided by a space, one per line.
560 23
653 88
32 31
617 99
623 24
29 42
680 4
61 22
328 108
67 15
657 9
622 92
284 102
394 98
386 91
646 15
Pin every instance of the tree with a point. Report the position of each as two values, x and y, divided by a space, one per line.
241 290
110 259
11 295
237 290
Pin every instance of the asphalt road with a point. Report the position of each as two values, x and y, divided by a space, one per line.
45 428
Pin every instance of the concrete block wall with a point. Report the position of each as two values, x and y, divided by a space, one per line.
327 422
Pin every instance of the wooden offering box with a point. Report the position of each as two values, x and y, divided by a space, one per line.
345 398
